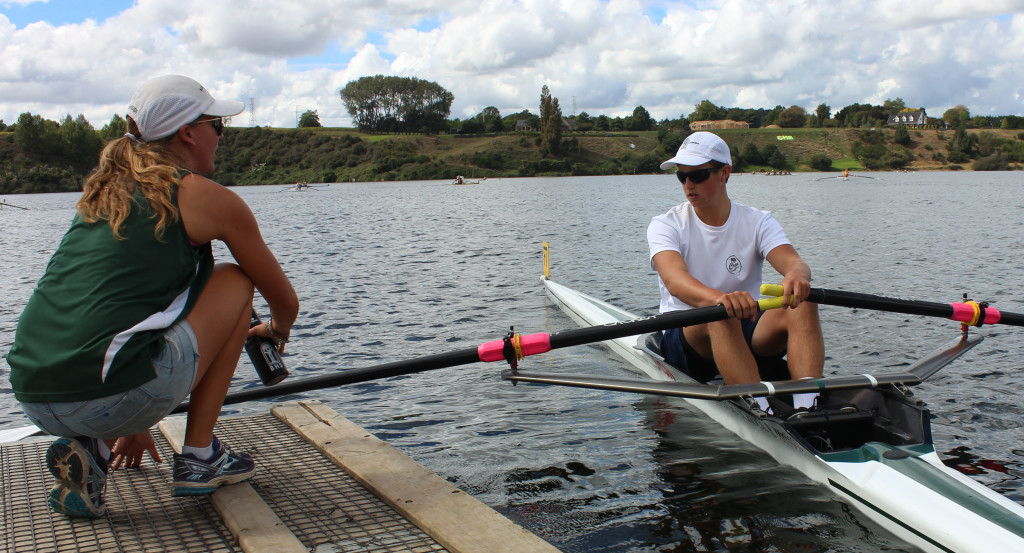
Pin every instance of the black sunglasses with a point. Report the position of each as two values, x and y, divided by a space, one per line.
217 122
697 176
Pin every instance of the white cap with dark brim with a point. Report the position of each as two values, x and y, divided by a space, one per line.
698 149
163 105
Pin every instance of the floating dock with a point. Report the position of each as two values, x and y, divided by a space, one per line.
323 485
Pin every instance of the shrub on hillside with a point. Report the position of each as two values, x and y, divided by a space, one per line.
820 162
956 156
751 155
897 158
994 162
901 136
773 156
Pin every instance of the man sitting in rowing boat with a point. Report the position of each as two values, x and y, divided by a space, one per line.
710 250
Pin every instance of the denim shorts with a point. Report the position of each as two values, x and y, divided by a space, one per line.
132 411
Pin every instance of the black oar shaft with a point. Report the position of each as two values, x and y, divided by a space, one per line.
672 319
879 303
353 376
490 351
909 307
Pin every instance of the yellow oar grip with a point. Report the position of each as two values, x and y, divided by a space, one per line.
775 290
769 303
772 289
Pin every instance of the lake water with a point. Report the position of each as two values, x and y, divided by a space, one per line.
390 271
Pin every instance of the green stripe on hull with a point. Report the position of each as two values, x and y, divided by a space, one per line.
889 516
906 460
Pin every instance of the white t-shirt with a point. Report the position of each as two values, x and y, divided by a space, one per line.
727 258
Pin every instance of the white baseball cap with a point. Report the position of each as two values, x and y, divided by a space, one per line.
698 149
163 105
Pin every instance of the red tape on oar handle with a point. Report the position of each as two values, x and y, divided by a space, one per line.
970 313
530 344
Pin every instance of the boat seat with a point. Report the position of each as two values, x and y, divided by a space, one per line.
830 428
828 418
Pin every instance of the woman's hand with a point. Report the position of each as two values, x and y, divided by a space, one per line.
270 330
128 450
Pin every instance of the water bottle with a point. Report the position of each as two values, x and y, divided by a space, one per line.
264 356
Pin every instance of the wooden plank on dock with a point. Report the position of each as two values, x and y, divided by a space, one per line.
458 521
256 527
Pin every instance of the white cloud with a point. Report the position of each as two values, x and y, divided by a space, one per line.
608 55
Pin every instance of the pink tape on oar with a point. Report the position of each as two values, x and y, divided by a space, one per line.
965 313
531 344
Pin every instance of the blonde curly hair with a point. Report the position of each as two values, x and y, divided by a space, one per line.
124 164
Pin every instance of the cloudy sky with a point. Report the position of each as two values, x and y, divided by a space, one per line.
606 57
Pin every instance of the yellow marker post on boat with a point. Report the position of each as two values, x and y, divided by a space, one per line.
547 262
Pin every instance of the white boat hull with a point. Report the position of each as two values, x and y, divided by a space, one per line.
906 490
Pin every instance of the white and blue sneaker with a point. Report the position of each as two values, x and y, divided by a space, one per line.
194 476
81 474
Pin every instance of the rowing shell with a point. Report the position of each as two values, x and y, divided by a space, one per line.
879 459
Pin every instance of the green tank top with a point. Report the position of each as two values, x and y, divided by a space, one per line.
97 316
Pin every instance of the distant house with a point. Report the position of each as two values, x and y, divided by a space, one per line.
909 118
720 124
568 125
523 125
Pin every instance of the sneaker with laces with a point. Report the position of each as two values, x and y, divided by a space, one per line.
194 476
81 475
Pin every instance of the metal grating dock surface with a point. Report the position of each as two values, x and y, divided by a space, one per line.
324 507
141 513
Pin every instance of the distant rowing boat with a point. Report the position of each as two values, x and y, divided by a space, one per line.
3 203
848 177
303 187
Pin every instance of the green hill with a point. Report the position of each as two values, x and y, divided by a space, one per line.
251 156
278 156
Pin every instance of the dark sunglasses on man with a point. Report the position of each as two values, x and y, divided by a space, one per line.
697 176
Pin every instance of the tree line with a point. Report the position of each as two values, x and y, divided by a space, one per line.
41 155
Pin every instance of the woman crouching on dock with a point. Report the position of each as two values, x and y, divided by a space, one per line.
132 315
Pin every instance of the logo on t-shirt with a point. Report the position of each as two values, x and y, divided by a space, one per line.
733 265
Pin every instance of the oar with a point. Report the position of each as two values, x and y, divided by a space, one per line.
915 374
970 313
512 348
844 177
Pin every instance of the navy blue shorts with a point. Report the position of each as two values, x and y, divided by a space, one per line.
679 353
